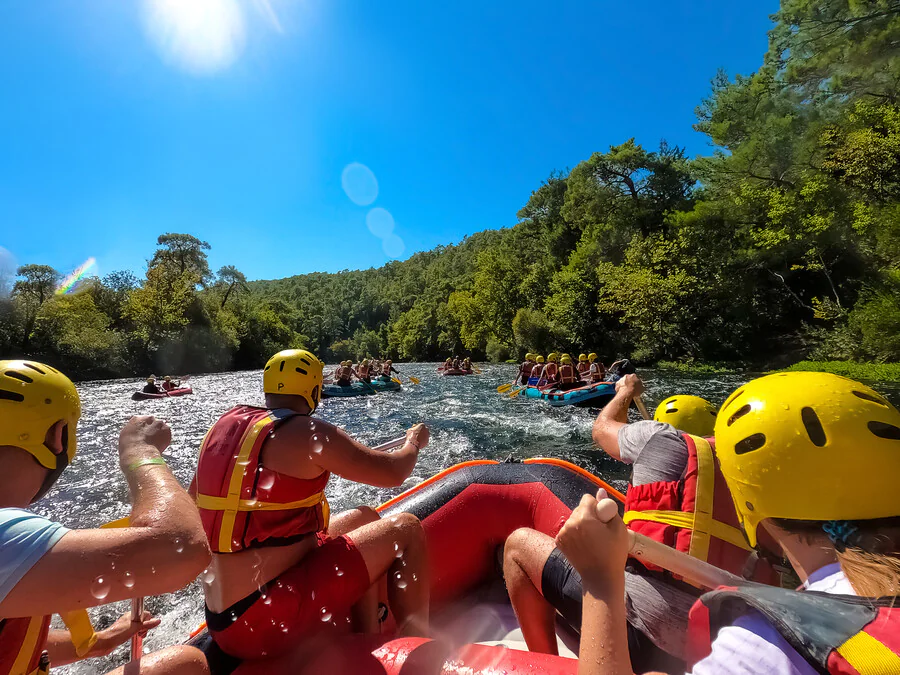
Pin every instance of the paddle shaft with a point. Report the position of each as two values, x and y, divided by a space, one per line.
137 640
639 402
693 570
390 445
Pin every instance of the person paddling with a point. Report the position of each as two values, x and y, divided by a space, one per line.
168 385
151 387
343 374
568 375
811 459
387 369
283 570
363 370
542 581
583 366
596 369
524 371
550 373
47 569
537 370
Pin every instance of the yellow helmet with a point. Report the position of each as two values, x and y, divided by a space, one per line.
539 359
529 356
296 372
797 445
151 379
592 357
34 397
582 357
168 378
553 356
364 362
566 359
690 414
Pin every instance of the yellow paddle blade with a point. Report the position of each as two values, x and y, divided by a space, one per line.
414 380
81 631
121 522
476 369
394 379
517 392
503 388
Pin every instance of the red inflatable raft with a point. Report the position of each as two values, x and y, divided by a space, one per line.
470 609
455 371
142 396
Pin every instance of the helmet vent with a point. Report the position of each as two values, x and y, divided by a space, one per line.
731 399
18 376
813 427
301 371
749 444
11 396
302 360
880 429
868 397
33 367
739 414
671 410
281 367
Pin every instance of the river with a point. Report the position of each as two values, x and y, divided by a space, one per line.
467 418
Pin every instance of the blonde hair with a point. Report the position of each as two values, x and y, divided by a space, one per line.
873 575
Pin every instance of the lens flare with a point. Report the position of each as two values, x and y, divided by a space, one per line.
71 282
359 183
8 268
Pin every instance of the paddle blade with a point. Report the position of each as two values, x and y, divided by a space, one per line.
517 392
394 379
503 388
415 380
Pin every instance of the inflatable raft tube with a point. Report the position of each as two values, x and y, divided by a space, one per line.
382 384
355 389
590 396
469 603
143 396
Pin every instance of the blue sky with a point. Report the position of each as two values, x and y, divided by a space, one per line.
236 120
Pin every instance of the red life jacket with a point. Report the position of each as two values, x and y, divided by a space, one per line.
583 366
362 371
838 634
550 371
22 642
597 370
696 515
537 370
566 373
386 370
242 503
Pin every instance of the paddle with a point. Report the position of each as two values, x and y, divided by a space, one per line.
414 380
133 667
390 445
476 369
517 392
639 402
691 569
503 388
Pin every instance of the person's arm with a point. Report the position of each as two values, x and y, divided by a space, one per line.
598 548
332 449
62 651
162 550
614 416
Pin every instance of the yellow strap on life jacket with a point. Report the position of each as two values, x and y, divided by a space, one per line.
701 521
211 503
869 656
718 529
28 647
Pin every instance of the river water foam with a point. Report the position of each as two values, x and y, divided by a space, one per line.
467 418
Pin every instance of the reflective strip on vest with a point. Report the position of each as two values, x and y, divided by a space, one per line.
869 656
29 647
700 522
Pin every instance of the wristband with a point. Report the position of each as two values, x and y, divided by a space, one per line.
414 444
146 462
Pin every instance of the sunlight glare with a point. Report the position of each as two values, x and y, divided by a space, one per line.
199 36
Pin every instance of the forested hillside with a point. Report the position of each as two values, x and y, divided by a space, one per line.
784 242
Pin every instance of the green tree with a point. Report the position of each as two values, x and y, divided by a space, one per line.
181 254
36 286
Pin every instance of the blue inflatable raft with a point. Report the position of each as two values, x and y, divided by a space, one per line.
590 396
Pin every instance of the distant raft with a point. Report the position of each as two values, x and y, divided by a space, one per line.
143 396
348 391
594 395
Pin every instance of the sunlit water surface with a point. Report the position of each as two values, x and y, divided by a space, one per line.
467 418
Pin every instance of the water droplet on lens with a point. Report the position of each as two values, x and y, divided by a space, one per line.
128 580
401 582
326 615
284 628
100 588
316 444
415 578
179 546
207 576
338 571
266 481
267 599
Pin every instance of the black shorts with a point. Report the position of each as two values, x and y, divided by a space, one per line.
561 587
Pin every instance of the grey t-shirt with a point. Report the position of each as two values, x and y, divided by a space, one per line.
656 451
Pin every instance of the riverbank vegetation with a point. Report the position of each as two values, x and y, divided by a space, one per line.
782 244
